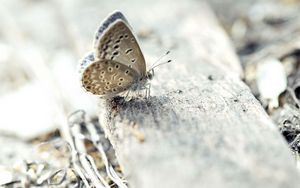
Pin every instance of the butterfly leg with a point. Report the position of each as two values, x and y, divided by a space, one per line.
126 98
139 93
147 90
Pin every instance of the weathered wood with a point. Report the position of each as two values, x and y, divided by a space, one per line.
202 127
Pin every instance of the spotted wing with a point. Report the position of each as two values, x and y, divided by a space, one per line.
115 41
107 77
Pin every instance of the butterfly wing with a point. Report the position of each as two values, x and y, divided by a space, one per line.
115 41
106 77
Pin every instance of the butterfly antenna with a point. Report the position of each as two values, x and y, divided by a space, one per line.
155 63
169 61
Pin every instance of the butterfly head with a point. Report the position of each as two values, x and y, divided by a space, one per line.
149 75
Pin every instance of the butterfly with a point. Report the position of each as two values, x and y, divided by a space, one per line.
116 64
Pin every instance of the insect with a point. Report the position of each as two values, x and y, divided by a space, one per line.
116 65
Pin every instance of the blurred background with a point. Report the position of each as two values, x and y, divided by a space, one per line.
42 41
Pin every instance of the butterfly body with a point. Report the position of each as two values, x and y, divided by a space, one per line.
116 64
